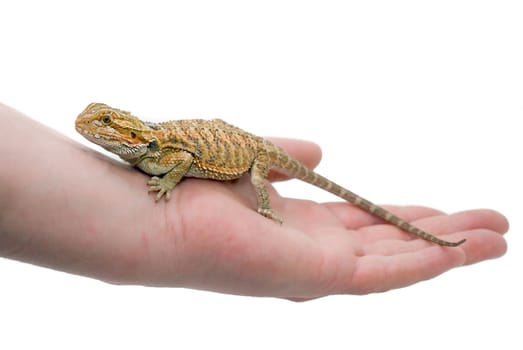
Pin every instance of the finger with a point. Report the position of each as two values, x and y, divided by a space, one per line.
370 273
481 244
440 225
306 152
376 273
354 218
467 220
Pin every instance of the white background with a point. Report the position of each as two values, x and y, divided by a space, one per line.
413 102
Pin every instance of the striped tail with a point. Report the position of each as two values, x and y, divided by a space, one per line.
295 169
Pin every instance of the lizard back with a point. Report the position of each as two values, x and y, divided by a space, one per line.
221 149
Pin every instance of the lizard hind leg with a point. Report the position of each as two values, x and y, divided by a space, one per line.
259 172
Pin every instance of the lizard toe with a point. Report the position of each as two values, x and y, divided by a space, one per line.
160 195
269 213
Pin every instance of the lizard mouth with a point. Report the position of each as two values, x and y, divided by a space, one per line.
117 147
99 139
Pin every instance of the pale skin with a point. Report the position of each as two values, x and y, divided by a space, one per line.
66 206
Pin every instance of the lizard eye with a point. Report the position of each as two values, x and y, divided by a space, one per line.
133 134
107 119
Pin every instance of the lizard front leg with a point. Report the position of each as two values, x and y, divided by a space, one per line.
176 165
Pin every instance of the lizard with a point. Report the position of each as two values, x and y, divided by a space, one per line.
211 149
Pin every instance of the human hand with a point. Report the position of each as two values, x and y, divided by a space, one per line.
320 249
80 212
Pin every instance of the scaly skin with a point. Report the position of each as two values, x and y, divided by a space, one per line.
210 149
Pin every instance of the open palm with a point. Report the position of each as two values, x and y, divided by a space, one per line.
320 249
209 236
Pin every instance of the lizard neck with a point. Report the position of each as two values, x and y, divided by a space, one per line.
132 152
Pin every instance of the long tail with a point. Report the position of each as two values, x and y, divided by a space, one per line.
295 169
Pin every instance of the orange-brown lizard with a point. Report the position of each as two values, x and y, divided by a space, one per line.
210 149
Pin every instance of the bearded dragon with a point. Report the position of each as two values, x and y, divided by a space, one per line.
210 149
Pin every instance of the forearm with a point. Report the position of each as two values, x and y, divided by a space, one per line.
53 200
21 176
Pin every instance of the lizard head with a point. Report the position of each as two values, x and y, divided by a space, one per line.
115 130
